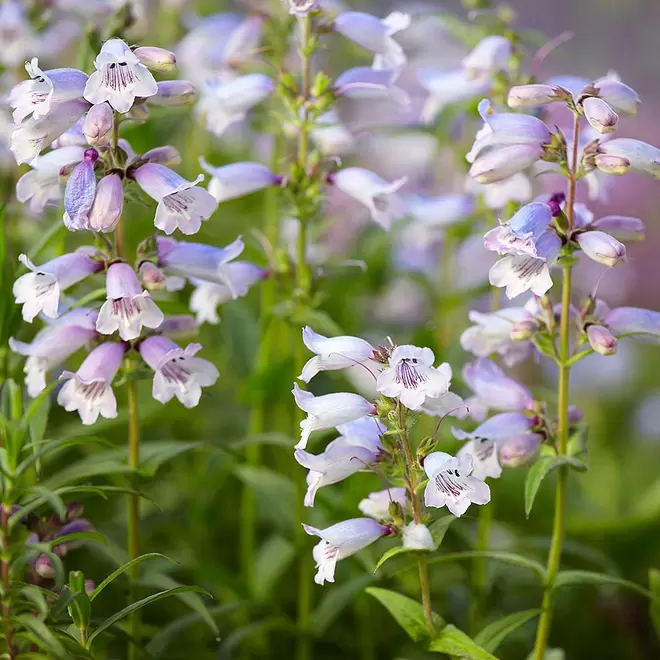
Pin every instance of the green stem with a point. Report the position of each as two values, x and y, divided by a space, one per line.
5 512
133 511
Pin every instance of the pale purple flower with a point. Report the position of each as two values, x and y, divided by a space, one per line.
222 105
128 308
483 451
621 227
181 204
54 345
412 378
363 432
108 204
329 410
491 55
44 90
177 371
417 536
622 99
644 158
79 192
41 185
363 82
525 97
494 389
498 163
98 124
156 59
238 179
377 504
334 353
340 541
519 449
602 248
119 78
39 290
599 114
173 93
379 196
451 484
625 321
376 35
89 390
613 165
165 155
520 234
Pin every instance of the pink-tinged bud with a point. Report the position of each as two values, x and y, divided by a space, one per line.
108 204
98 124
89 587
156 59
601 340
532 96
644 158
172 93
575 415
152 277
44 567
622 227
615 165
622 99
599 114
520 449
167 155
501 162
523 330
602 248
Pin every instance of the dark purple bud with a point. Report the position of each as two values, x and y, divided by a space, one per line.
91 155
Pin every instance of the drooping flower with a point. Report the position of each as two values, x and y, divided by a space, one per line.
451 484
340 541
79 192
334 353
377 504
177 371
119 78
89 390
39 290
128 308
238 179
378 195
181 204
328 411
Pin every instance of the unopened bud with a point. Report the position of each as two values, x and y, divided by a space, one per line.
44 567
426 447
74 510
395 511
108 204
152 277
531 96
599 114
616 165
98 124
601 340
173 93
156 59
520 449
602 248
167 155
523 330
575 415
89 587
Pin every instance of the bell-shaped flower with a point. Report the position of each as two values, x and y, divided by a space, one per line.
54 345
119 78
41 185
177 371
378 195
128 308
39 290
601 339
89 390
526 97
108 204
205 262
329 410
520 234
451 484
340 460
520 273
602 248
519 449
207 296
494 388
99 124
631 321
32 136
222 105
238 179
376 35
181 204
622 99
412 378
79 192
599 114
38 95
334 353
340 541
363 82
377 504
643 158
417 536
491 55
492 334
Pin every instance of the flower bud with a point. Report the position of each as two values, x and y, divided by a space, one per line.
426 447
520 449
615 165
602 248
601 340
108 204
172 93
523 330
156 59
600 115
575 415
644 158
622 99
44 567
152 277
74 510
98 124
89 587
167 155
531 96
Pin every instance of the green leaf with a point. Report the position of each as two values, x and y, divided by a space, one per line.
38 421
79 536
272 561
571 578
336 600
495 633
37 597
124 567
408 613
118 616
319 321
505 557
654 584
540 470
154 454
42 636
272 439
455 643
53 498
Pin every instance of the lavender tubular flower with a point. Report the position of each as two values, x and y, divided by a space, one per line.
519 449
621 227
177 371
89 390
633 321
79 192
525 97
622 99
167 155
156 59
497 164
494 388
238 179
108 204
643 158
520 234
173 93
366 83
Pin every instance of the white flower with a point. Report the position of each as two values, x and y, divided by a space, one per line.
451 485
417 537
483 451
377 504
119 77
329 410
412 378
